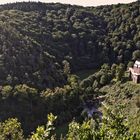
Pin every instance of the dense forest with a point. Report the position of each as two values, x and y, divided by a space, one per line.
42 36
44 46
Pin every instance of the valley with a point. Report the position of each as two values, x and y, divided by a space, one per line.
69 72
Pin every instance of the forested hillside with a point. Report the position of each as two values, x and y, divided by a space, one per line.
37 37
43 45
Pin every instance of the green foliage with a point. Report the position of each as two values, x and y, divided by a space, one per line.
113 69
79 131
11 130
113 126
100 78
39 42
130 64
30 105
73 81
45 133
6 91
66 67
127 95
136 54
138 102
36 38
120 72
104 80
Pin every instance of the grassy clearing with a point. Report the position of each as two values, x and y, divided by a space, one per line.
85 73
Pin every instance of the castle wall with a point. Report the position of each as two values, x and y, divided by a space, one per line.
136 69
135 78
